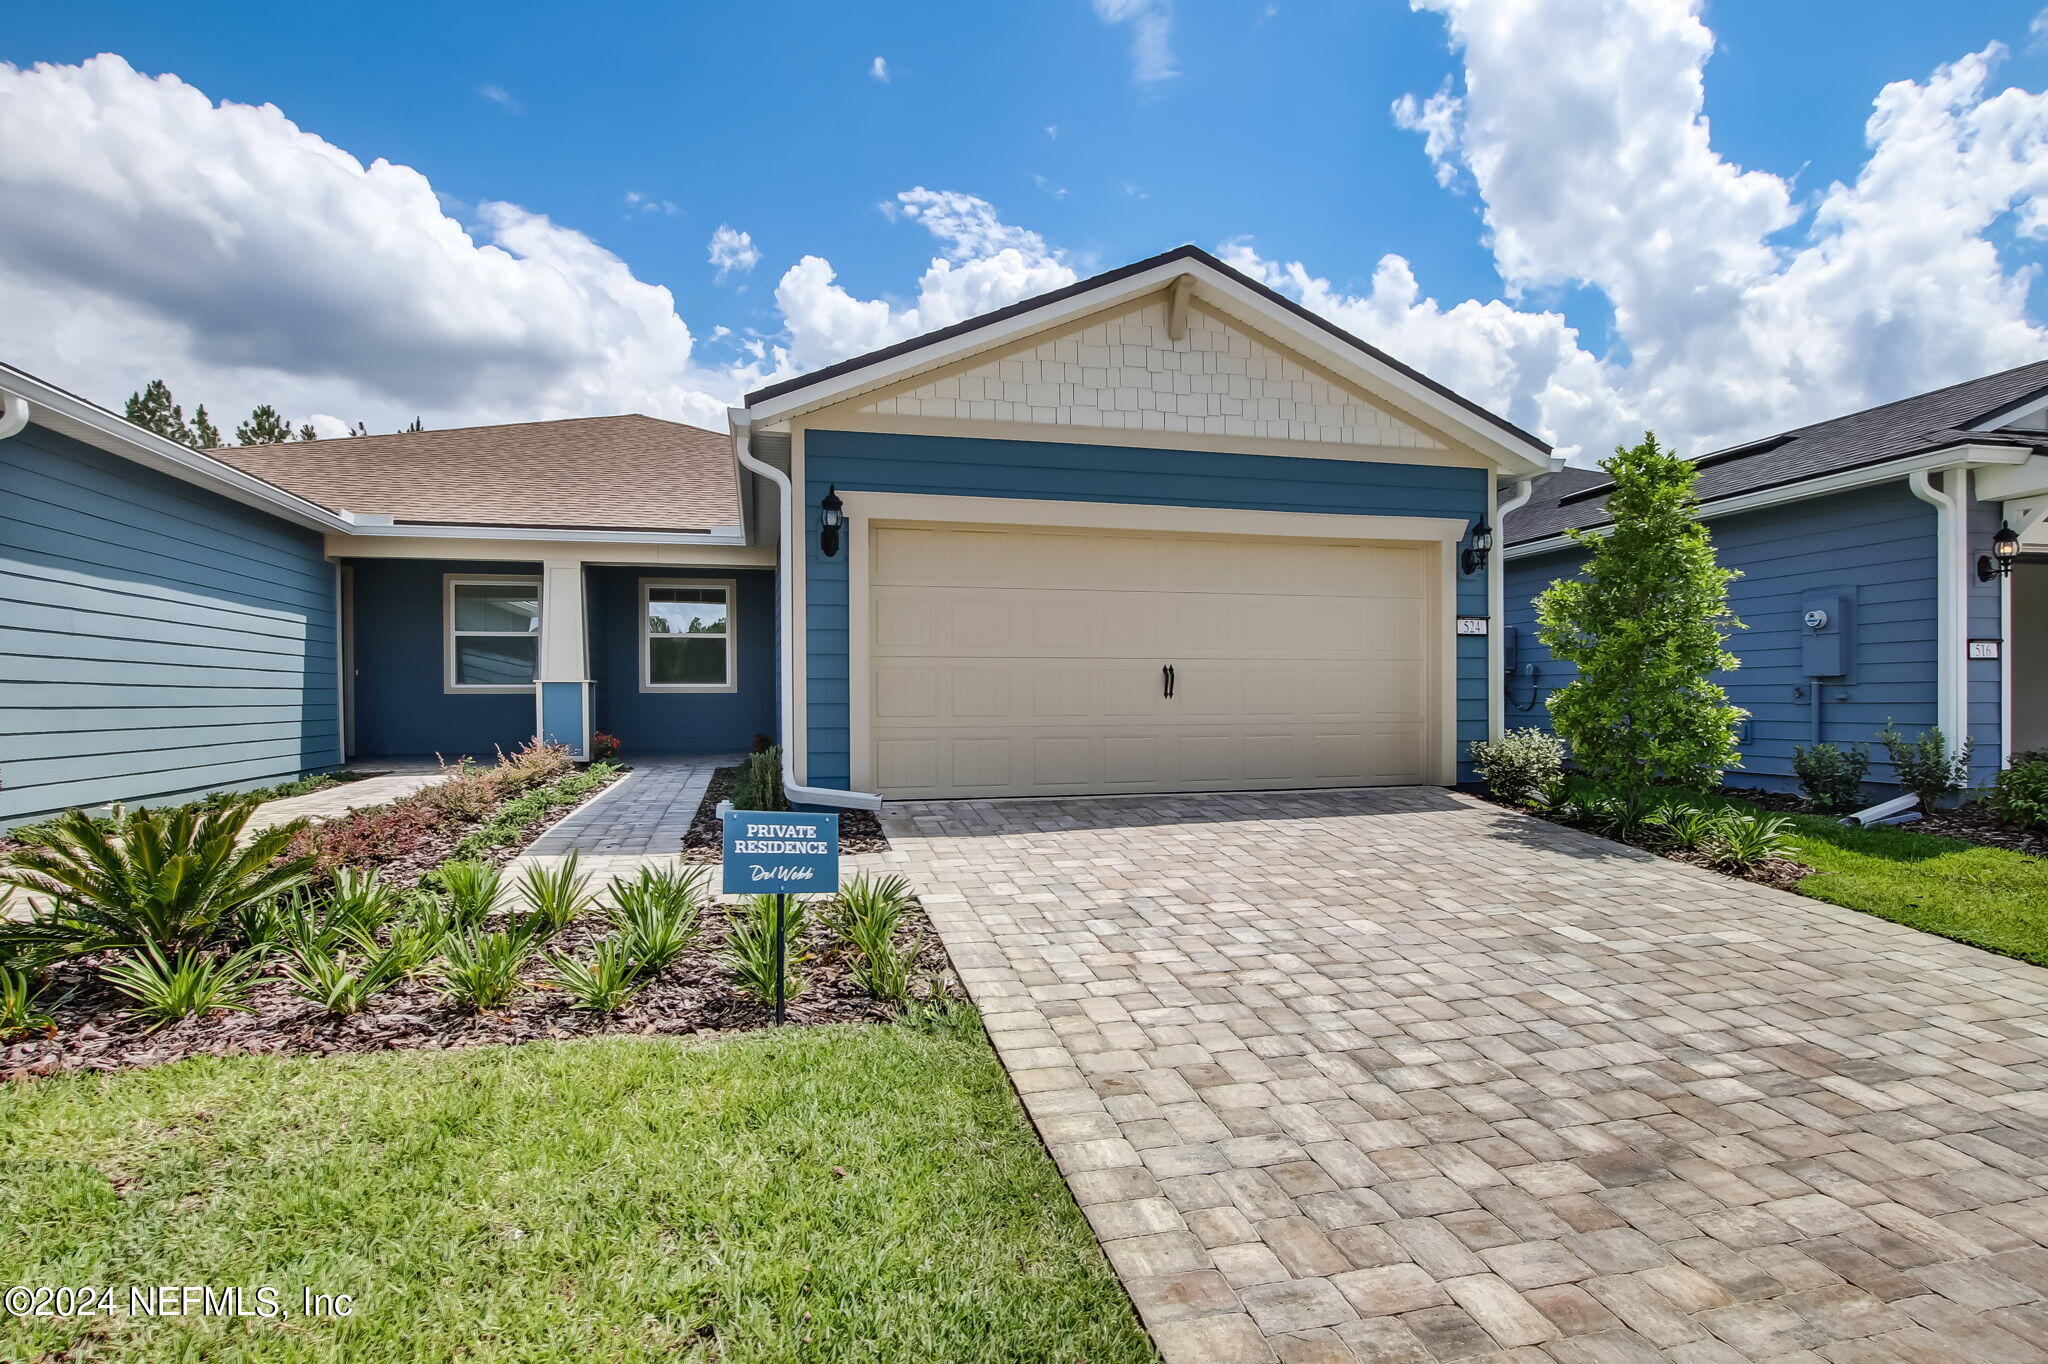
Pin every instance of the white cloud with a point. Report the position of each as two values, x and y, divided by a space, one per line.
2037 31
497 95
731 250
1151 23
879 69
1737 311
641 203
1052 130
147 232
985 264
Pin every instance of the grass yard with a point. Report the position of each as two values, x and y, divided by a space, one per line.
1990 897
831 1193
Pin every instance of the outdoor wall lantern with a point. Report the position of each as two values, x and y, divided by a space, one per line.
1474 558
831 516
2005 552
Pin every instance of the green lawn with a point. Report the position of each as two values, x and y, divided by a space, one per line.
841 1194
1990 897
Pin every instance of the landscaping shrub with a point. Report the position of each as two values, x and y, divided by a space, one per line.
865 919
607 982
1745 842
405 827
1924 765
517 815
1831 777
1644 623
554 896
2019 794
603 747
188 984
657 914
481 970
1518 766
19 1013
329 977
473 890
750 948
174 880
758 783
1686 827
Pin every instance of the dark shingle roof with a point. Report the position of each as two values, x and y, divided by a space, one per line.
1570 498
584 473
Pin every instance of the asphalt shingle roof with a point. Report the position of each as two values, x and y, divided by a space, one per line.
1893 430
586 473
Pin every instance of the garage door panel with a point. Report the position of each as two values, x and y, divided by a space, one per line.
1029 662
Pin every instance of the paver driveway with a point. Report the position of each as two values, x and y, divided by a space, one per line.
1397 1075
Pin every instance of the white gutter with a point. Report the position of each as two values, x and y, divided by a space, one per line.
381 524
785 576
1951 597
70 415
1496 599
1870 476
13 414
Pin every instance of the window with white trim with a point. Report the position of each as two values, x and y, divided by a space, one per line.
493 627
686 635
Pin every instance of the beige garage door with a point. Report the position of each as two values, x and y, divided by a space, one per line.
1009 661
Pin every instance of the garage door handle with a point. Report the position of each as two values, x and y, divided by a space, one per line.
1166 675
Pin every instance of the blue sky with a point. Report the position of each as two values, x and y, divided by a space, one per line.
1274 130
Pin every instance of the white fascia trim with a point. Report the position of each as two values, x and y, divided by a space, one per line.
2033 404
121 437
1516 455
1952 457
363 523
1952 600
1148 516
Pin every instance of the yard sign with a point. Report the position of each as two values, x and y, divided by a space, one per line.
780 853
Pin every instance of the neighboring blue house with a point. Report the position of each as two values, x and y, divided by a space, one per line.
1162 530
1860 543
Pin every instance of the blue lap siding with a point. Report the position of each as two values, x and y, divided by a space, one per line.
158 640
403 706
1873 548
1067 472
681 722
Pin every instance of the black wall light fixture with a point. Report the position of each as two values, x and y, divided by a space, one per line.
2005 552
831 516
1474 557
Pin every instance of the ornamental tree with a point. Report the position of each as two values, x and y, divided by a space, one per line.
1645 623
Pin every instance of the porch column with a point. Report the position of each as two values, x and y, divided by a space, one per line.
562 690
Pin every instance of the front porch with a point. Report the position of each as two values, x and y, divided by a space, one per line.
465 656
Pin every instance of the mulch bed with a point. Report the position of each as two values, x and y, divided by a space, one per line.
693 996
1972 823
404 870
859 830
1779 873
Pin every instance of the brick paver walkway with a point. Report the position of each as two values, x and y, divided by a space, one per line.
647 811
1401 1076
396 778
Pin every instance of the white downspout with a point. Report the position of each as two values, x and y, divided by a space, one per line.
1951 599
785 586
13 415
1496 605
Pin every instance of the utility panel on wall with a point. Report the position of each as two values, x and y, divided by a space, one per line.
1827 623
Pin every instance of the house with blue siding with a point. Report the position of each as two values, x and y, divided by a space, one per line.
1893 568
1161 530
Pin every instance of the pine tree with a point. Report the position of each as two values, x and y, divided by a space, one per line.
1644 623
153 410
264 427
417 425
306 432
205 435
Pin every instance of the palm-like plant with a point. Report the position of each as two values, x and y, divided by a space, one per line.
555 895
174 880
184 985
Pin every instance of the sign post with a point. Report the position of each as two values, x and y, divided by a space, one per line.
777 852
